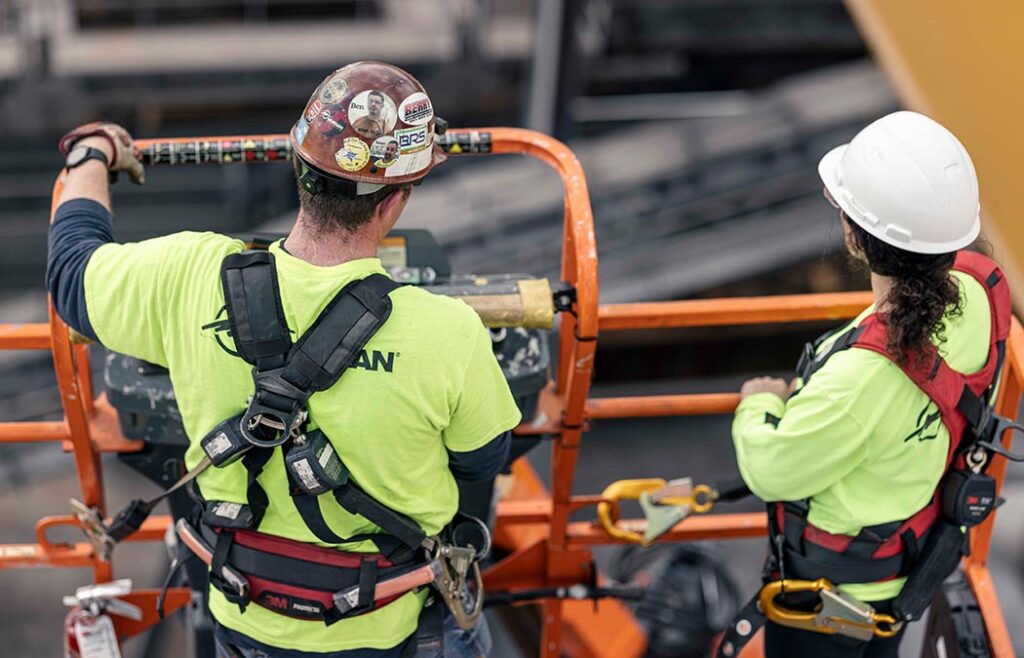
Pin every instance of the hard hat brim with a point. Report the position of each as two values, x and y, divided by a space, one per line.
828 171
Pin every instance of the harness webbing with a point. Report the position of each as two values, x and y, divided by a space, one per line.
927 546
887 550
287 374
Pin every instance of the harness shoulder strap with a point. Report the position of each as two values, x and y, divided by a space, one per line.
344 327
811 362
253 303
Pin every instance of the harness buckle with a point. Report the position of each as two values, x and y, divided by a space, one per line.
836 613
665 503
265 426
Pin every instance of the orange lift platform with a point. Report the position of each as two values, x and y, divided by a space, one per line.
544 548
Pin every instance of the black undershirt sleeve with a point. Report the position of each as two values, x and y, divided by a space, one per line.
79 227
483 463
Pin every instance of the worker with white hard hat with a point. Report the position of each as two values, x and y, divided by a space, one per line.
851 453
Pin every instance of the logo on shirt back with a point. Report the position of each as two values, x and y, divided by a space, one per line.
927 424
220 331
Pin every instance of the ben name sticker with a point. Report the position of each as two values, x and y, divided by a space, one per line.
372 113
353 155
416 109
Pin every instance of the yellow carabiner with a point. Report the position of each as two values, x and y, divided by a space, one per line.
838 613
662 495
700 500
608 515
780 614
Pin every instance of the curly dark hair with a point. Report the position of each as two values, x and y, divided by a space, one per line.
923 295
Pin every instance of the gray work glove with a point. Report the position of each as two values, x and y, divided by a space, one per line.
125 156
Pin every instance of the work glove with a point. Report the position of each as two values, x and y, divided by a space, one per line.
125 156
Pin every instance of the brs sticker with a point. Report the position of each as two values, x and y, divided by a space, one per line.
412 140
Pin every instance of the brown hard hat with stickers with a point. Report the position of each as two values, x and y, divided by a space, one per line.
368 122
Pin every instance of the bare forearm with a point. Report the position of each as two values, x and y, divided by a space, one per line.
89 180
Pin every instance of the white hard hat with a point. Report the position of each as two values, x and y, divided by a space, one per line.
907 181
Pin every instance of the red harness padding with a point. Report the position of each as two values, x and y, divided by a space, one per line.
945 387
299 580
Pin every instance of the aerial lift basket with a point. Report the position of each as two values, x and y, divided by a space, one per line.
543 548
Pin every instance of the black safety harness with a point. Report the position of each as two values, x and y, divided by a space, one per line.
295 578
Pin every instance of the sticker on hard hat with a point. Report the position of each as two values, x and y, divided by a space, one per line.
333 90
301 128
416 109
384 151
372 113
412 140
314 109
410 163
332 122
354 155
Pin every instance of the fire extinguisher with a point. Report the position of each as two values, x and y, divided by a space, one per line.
88 628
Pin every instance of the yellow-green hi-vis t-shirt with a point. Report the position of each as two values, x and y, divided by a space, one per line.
427 383
860 440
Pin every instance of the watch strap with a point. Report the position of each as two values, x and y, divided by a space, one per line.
91 153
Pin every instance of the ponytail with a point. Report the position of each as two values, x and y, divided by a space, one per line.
922 295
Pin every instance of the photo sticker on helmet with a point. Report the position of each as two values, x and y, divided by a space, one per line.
384 151
372 113
413 140
416 109
354 155
314 109
301 128
333 90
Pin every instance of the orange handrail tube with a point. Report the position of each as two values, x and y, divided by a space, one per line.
533 526
733 311
662 405
35 336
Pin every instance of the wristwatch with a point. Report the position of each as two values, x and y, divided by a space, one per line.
81 154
